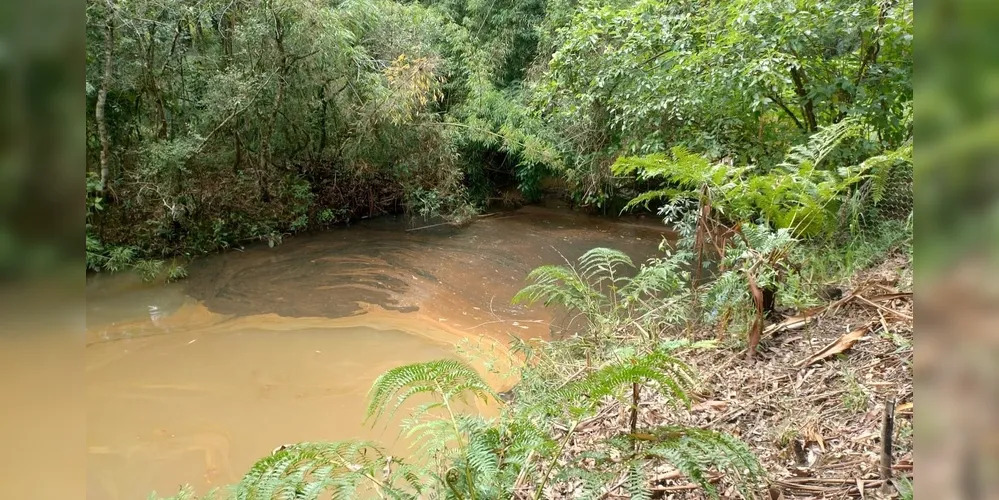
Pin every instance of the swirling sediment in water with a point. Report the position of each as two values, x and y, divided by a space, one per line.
192 382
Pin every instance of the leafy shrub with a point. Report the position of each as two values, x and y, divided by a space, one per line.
803 193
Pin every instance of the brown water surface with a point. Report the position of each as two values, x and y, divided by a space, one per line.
192 382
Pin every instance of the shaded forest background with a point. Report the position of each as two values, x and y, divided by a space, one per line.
211 123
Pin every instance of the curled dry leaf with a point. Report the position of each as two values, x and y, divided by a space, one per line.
775 494
814 434
841 344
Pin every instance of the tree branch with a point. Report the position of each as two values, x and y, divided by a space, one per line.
777 100
798 76
871 54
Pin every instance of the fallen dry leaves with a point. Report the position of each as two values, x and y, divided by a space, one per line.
783 407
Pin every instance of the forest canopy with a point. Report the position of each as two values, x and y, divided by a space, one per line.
211 123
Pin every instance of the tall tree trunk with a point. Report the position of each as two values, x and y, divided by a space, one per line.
102 97
268 130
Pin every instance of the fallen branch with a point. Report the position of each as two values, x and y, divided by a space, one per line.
430 226
885 309
887 434
841 344
611 488
551 466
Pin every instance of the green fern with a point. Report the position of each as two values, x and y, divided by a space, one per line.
671 375
878 168
636 483
821 144
604 264
600 288
308 471
683 171
695 451
803 194
561 285
444 379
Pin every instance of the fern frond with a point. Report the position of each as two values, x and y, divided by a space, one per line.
645 199
602 264
558 285
661 277
307 471
647 166
695 451
636 482
674 377
444 379
878 167
820 145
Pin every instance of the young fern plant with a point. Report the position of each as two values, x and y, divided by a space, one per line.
694 452
342 469
599 287
579 287
310 471
470 457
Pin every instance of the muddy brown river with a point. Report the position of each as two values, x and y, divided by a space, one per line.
192 382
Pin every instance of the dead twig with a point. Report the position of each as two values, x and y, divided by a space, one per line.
523 474
611 488
885 309
887 433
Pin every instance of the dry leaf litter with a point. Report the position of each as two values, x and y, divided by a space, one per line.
810 407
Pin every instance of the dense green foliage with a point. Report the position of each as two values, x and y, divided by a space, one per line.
212 123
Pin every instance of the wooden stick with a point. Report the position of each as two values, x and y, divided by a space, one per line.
430 226
523 473
887 432
885 309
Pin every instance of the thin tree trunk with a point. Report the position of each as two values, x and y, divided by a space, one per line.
265 139
887 433
633 423
102 97
806 102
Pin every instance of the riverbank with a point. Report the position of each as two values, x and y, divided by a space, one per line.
193 381
811 408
